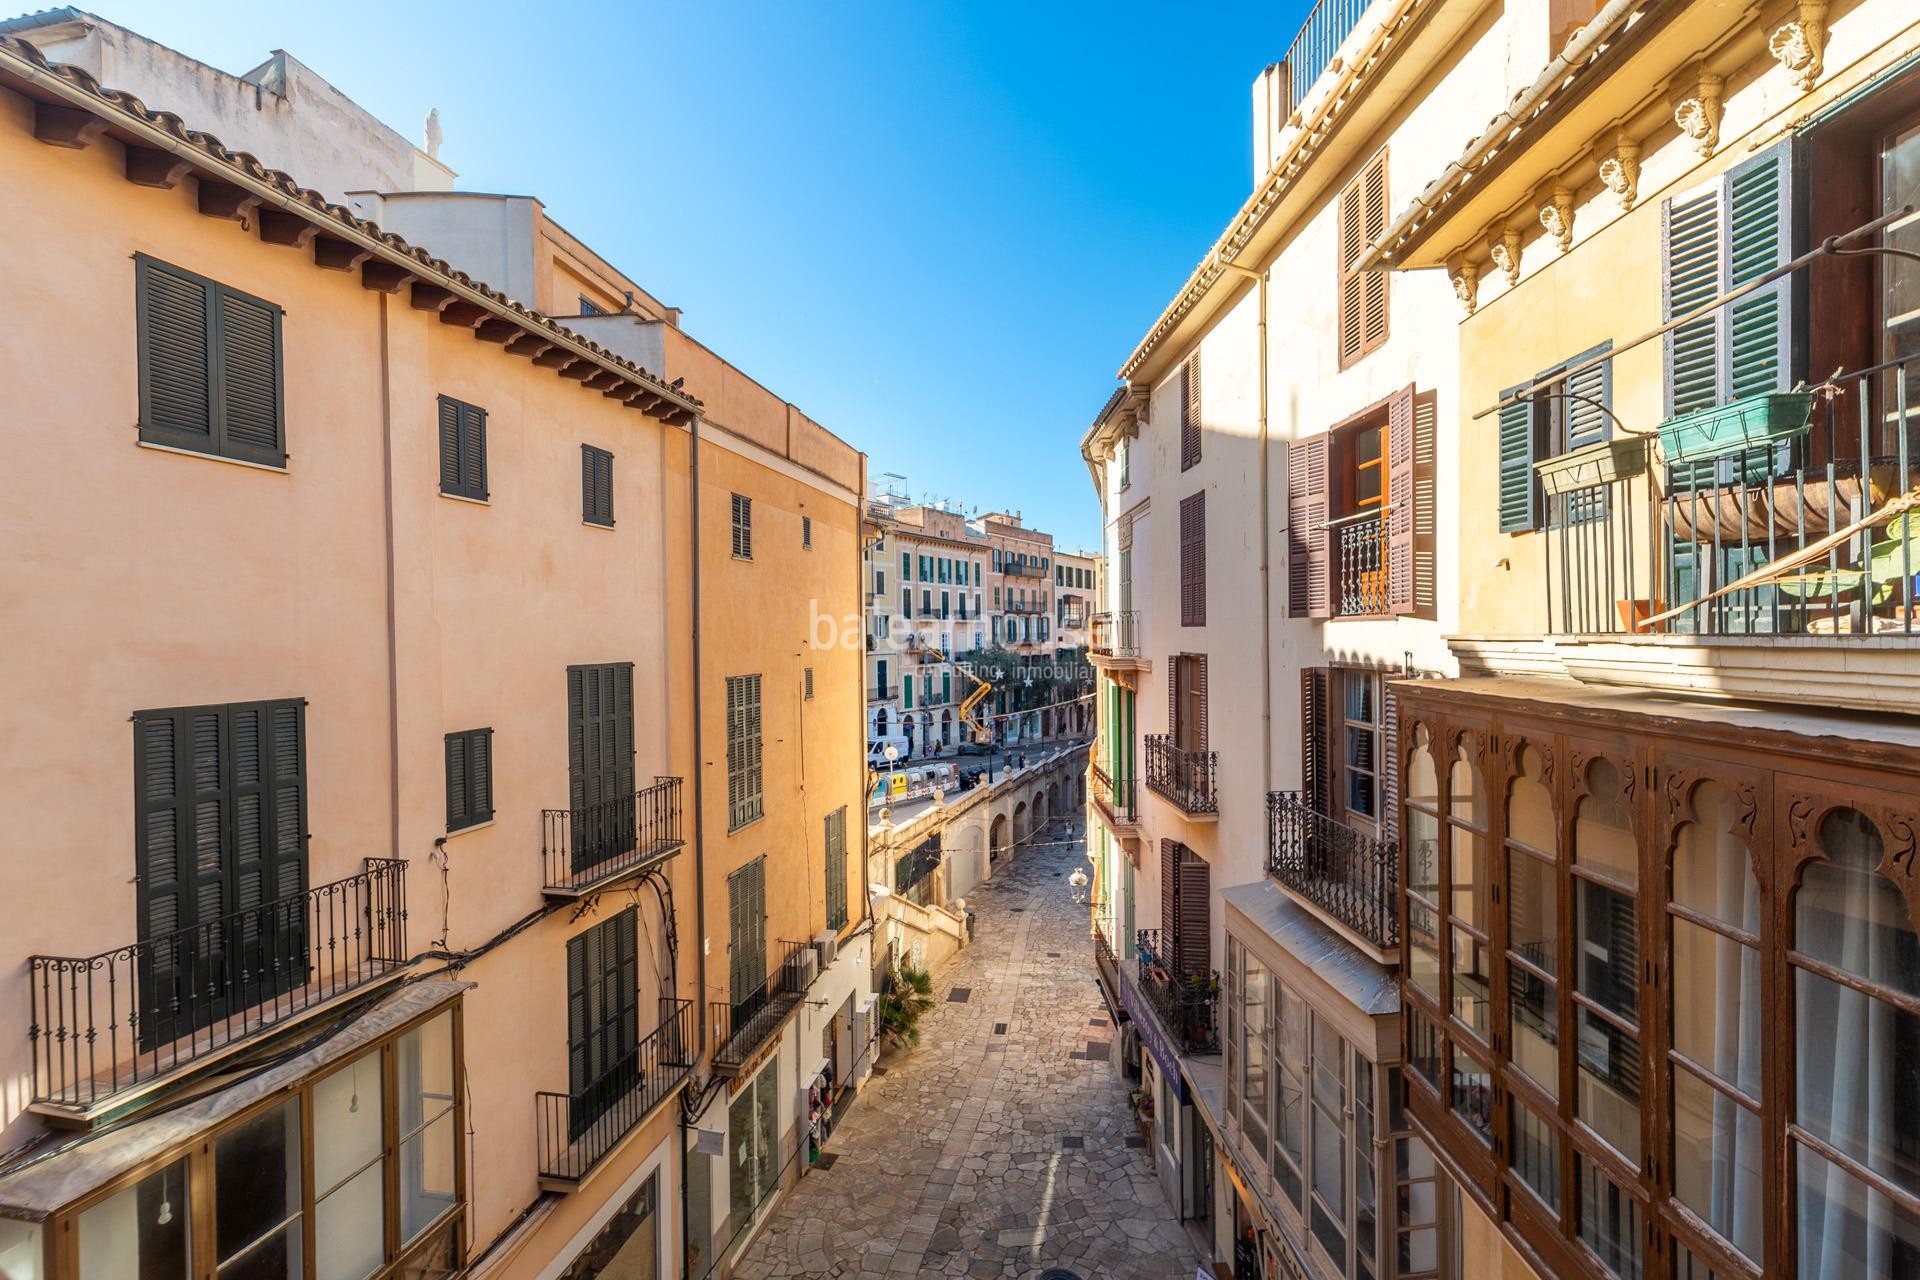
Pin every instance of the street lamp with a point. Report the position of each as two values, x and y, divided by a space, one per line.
1079 882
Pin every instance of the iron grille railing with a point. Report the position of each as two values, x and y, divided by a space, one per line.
1184 777
1320 37
1671 536
104 1024
1348 875
1103 949
738 1027
1184 1003
1028 570
1024 607
581 847
1115 795
881 692
1362 568
577 1130
1116 634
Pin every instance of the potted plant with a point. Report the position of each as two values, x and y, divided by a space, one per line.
907 999
1736 426
1604 462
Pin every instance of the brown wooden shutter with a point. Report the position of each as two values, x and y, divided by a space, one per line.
1193 560
1373 216
1307 535
1316 739
1401 503
1389 763
1190 412
1169 896
1194 949
1352 303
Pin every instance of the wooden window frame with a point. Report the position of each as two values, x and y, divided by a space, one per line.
596 486
462 743
215 441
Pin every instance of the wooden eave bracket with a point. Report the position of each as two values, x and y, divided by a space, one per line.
496 330
338 255
69 127
429 297
219 199
528 344
463 314
152 167
280 227
383 277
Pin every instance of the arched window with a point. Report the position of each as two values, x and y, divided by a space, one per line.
1719 1156
1533 934
1607 978
1467 901
1856 997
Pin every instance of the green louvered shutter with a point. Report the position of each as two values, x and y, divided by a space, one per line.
1690 278
1518 504
176 401
1759 238
248 375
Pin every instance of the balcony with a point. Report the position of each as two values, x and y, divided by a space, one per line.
883 692
1774 515
1344 875
1184 777
578 1131
1183 1004
1115 798
1104 958
1024 607
1319 39
587 849
107 1029
1360 566
740 1029
1013 568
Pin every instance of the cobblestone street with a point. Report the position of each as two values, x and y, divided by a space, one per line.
1002 1146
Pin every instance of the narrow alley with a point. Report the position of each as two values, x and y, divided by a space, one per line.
1002 1146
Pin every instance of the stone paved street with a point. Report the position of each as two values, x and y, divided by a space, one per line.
998 1148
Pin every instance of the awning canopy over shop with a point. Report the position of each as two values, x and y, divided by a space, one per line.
49 1183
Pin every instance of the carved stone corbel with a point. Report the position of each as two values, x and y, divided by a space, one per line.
1620 171
1466 284
1800 43
1505 253
1556 215
1697 111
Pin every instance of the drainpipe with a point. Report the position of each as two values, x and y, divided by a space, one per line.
699 823
1266 590
393 660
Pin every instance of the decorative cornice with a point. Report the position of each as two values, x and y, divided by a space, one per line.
1556 215
1697 107
1800 44
1505 253
1466 285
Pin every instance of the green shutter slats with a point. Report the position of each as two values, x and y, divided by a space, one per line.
210 366
450 481
1691 239
742 527
250 378
1588 395
1758 240
469 778
1518 492
596 486
463 449
174 332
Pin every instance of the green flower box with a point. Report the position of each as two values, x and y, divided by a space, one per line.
1736 426
1607 462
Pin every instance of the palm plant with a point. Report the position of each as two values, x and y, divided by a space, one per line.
907 999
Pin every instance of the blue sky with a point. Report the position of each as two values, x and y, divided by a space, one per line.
937 228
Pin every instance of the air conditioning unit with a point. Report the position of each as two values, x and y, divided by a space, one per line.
825 948
803 969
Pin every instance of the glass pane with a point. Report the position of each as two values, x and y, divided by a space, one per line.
1857 1076
1358 690
1848 1229
1533 910
1419 1250
425 1057
1423 854
141 1231
20 1250
1602 835
1466 794
1329 1062
1534 1024
1331 1234
1414 1167
434 1260
1536 1153
1473 1095
1609 1223
1900 187
1468 896
1849 916
426 1176
1688 1267
1423 1048
1718 1161
1530 811
1330 1161
767 1119
1609 1082
1609 949
1423 948
256 1178
346 1121
1470 981
1718 1010
278 1257
1423 786
1365 1216
740 1155
350 1226
1712 873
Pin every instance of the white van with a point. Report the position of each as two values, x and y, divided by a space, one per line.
877 750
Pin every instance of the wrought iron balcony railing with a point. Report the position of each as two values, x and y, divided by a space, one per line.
1113 795
1024 607
1184 777
105 1025
586 848
738 1028
1320 37
1116 634
1349 876
1027 570
882 692
579 1130
1765 516
1185 1004
1362 568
